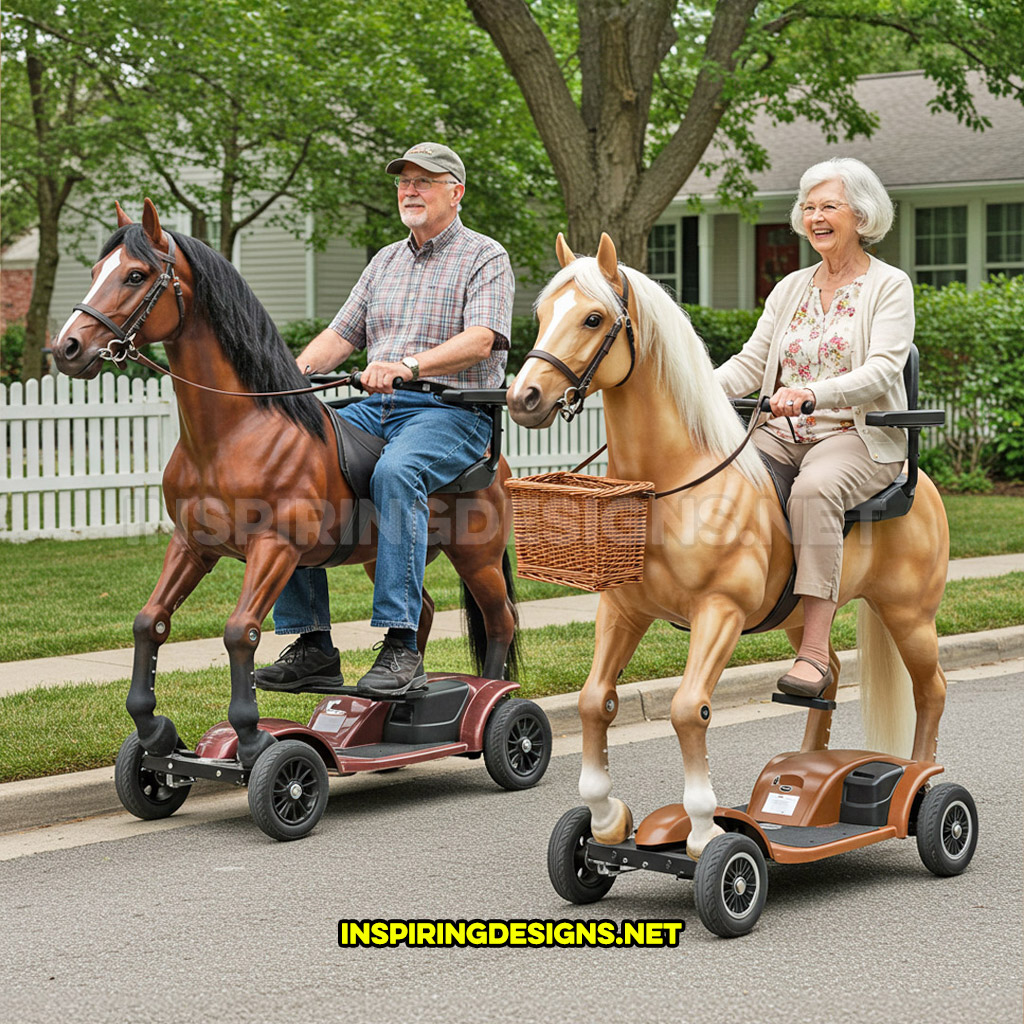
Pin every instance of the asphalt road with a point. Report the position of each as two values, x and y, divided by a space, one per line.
202 918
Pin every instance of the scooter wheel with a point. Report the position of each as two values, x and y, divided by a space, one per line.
517 744
144 792
947 829
573 878
288 789
730 885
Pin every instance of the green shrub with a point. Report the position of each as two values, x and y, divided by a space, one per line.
12 348
298 334
724 331
972 355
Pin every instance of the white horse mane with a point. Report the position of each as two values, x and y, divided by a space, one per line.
665 335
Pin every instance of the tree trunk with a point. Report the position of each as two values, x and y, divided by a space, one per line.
597 149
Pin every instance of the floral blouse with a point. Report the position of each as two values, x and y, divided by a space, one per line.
816 346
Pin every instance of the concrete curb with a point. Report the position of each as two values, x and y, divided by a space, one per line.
59 798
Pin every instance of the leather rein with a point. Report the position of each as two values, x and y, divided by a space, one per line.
122 347
569 408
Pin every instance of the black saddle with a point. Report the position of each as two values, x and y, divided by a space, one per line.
894 501
359 451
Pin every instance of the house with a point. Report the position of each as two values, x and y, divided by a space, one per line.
959 198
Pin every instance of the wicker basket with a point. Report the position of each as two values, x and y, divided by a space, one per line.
580 531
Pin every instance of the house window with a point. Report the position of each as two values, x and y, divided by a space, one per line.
1004 239
661 256
940 245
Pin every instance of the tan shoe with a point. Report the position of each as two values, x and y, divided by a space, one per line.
806 687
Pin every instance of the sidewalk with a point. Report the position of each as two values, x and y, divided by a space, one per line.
46 801
192 655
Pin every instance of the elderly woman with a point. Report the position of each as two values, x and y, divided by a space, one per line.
836 334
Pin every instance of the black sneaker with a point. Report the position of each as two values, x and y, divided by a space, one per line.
301 665
396 671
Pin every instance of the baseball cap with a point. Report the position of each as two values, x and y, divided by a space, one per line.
433 157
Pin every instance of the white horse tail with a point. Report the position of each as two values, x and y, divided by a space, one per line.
886 691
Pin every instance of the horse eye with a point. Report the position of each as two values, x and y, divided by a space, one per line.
135 277
594 320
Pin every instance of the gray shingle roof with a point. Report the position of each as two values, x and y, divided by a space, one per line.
911 147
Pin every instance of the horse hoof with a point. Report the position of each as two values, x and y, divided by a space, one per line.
695 847
160 737
620 826
250 750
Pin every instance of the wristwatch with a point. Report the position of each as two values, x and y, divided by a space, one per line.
412 364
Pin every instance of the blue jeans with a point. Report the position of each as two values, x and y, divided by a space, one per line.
428 445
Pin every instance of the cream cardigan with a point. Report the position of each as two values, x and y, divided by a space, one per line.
883 329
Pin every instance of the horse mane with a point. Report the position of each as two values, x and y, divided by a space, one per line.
679 358
247 334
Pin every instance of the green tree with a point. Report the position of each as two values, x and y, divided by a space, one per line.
265 108
57 133
638 94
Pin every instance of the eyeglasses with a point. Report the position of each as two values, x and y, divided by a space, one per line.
423 184
826 208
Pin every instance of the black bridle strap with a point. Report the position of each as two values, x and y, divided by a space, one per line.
581 384
125 333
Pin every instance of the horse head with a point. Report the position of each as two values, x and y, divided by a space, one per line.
582 314
129 303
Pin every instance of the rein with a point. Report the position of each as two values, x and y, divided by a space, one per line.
705 476
125 333
569 409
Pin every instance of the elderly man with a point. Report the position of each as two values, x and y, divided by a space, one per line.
438 306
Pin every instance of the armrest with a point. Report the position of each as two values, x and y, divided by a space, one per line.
473 396
907 418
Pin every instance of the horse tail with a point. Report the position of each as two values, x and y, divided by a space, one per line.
476 628
886 691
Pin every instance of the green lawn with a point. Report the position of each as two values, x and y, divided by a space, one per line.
70 728
67 597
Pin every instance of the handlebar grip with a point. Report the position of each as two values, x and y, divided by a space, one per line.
806 408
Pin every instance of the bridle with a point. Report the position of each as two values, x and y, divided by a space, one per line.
124 335
568 407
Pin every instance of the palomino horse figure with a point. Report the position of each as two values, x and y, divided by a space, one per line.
254 478
718 554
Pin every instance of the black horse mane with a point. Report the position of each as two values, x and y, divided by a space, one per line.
249 337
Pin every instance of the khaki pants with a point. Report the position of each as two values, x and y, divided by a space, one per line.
833 475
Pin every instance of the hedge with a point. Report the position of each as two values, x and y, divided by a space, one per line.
972 355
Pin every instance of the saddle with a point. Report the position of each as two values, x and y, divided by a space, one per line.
359 452
894 501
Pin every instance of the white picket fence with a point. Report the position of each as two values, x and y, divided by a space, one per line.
85 458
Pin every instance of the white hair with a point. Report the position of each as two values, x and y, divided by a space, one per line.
665 335
864 192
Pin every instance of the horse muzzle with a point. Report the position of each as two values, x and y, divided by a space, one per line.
529 406
75 358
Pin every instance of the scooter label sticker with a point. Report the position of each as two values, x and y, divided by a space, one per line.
780 803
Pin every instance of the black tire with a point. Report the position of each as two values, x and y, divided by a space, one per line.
730 885
144 792
288 789
517 744
947 829
574 880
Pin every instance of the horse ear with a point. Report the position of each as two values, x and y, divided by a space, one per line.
151 224
562 251
123 220
607 260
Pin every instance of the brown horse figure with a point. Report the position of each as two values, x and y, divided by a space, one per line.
718 554
254 478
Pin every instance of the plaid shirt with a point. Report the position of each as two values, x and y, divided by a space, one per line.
409 299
